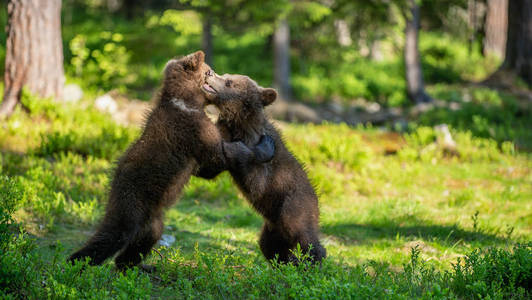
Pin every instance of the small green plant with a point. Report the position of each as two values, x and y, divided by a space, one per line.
494 273
474 218
10 196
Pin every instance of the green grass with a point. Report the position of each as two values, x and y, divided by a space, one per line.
400 218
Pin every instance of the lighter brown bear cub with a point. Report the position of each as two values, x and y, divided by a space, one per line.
279 190
177 138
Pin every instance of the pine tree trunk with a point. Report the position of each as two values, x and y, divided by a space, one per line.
495 27
130 7
34 51
414 76
206 39
518 57
281 49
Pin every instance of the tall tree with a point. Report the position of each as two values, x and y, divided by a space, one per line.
415 86
233 16
206 38
281 49
495 27
34 51
518 58
472 10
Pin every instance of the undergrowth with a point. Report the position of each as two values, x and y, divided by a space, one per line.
401 217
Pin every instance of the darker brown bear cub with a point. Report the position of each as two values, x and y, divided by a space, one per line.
177 138
279 190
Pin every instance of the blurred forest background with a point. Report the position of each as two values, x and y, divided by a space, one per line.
413 119
352 61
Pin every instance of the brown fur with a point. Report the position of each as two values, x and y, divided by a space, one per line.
152 172
279 190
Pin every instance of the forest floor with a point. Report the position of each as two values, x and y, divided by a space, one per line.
401 216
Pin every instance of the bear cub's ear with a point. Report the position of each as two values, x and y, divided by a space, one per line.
193 61
267 96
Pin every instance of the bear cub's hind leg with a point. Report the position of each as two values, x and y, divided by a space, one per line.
273 242
110 238
140 245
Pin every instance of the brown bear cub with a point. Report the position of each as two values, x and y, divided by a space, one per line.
279 190
177 138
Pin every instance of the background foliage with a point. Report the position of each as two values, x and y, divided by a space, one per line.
105 50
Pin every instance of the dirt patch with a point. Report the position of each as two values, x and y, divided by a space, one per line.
424 248
456 184
513 172
387 143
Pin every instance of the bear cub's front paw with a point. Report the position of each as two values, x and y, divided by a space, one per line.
265 149
237 154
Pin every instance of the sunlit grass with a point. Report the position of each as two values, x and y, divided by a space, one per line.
381 194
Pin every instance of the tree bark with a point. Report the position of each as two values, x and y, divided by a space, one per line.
415 87
281 49
34 51
206 39
495 27
130 7
518 57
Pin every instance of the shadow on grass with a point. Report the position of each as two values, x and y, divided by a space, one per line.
11 162
447 235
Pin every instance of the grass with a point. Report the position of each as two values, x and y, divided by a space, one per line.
400 217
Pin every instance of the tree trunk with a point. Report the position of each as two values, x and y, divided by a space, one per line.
130 7
495 27
34 51
281 49
518 57
472 22
414 76
206 39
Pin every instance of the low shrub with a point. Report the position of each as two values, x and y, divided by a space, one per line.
495 273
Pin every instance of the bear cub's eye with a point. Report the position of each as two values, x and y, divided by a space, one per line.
228 83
